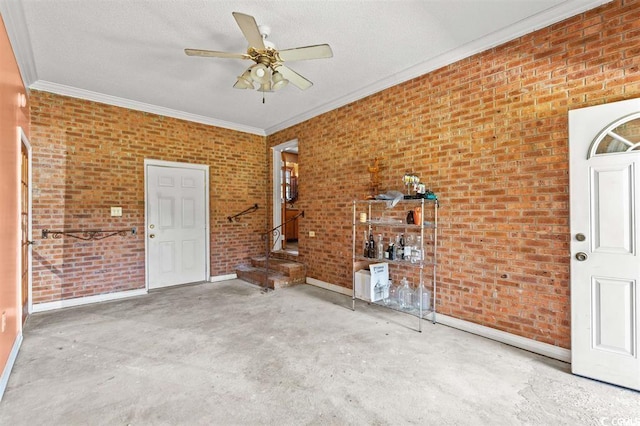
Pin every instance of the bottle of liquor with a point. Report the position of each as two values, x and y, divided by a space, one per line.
402 251
399 249
366 245
391 250
372 246
380 248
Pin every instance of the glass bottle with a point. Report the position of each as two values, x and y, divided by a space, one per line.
417 250
391 250
392 300
405 295
366 245
380 249
408 249
426 300
372 246
399 249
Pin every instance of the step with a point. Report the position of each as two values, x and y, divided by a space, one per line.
297 272
256 275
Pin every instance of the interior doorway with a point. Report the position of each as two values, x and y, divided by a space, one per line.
286 170
25 225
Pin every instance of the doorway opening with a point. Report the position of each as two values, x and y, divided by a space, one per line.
25 225
286 196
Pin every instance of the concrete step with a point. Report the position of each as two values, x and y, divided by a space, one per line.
258 276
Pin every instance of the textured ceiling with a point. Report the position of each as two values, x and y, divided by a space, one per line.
130 52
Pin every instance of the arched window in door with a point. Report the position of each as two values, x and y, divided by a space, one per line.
621 136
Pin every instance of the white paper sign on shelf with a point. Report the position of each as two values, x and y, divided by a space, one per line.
379 281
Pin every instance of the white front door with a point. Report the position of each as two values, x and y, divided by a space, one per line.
176 224
605 263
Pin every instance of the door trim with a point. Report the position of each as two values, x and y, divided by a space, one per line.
177 165
277 186
24 140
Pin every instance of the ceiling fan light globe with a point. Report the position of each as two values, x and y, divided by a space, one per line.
266 87
245 80
279 85
259 73
278 81
239 85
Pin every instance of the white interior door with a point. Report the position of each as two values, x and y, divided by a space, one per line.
176 224
605 267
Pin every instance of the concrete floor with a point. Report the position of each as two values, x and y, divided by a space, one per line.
225 353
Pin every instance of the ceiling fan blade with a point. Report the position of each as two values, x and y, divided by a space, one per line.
214 54
249 28
318 51
294 78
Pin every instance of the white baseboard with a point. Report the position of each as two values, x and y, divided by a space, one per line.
6 372
67 303
222 278
530 345
328 286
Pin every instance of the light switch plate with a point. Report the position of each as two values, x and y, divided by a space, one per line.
116 211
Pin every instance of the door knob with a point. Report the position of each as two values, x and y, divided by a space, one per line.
152 235
580 237
581 256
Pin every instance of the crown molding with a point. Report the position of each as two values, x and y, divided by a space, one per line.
74 92
543 19
16 26
14 18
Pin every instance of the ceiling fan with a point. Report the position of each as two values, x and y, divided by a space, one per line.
269 71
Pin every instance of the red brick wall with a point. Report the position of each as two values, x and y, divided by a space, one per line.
489 135
89 156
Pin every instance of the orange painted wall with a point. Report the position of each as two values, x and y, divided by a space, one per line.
11 116
489 135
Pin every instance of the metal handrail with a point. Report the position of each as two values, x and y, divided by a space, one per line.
247 211
88 234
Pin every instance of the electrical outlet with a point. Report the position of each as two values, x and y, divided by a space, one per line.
116 211
312 233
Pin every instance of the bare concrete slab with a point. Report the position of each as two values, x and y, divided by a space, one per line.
226 353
